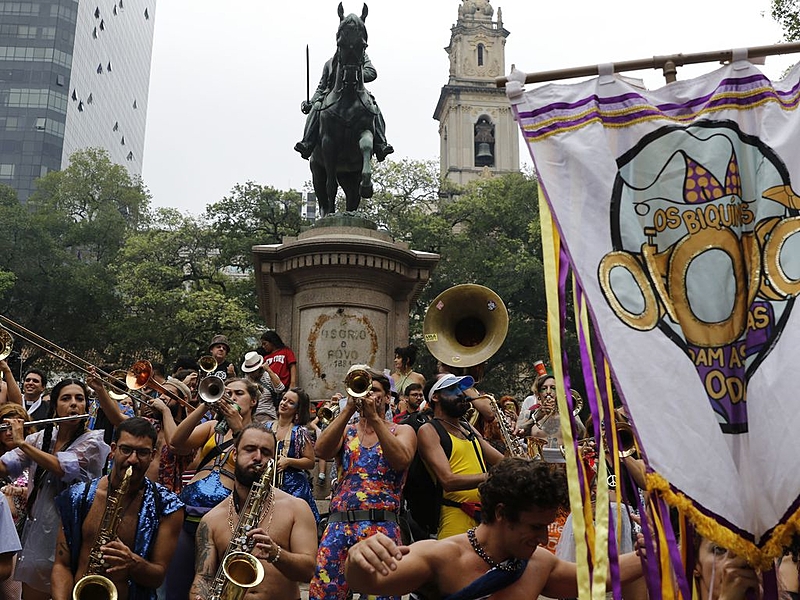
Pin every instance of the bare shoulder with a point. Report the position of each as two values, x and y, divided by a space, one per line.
216 515
438 552
287 504
401 429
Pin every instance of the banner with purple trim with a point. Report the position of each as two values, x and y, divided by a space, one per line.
677 210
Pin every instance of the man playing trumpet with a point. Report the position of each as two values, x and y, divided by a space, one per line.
144 534
286 545
374 455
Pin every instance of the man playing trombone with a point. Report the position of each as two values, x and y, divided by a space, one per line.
286 546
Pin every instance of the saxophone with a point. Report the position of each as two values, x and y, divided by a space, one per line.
240 571
514 445
93 585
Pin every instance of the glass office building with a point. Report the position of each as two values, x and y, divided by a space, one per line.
72 75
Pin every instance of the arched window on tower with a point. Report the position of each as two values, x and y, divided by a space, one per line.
481 50
484 142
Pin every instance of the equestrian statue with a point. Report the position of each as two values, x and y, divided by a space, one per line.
344 125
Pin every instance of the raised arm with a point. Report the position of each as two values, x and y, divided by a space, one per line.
110 407
13 393
330 441
191 433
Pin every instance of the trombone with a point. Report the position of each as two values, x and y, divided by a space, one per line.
6 344
137 377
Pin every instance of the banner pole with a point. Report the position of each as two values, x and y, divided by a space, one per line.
667 63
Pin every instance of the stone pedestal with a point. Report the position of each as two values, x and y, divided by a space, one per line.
339 295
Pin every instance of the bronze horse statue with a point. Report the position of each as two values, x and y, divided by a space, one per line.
347 123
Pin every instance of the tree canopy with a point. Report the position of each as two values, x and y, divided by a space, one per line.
90 265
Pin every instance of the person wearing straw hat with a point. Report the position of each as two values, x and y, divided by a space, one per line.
219 349
256 369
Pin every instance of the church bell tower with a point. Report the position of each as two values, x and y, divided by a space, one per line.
477 132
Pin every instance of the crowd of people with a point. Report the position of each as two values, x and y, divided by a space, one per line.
431 487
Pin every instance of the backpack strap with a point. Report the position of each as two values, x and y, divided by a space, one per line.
216 451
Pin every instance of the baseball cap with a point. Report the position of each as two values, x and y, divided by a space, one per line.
463 383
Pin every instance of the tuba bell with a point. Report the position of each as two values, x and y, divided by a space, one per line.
465 325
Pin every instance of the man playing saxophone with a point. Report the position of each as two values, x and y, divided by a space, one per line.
284 541
134 549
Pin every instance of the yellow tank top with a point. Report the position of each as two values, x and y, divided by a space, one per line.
463 460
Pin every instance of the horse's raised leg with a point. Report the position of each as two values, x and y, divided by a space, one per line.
365 145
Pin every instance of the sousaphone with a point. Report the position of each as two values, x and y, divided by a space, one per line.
465 325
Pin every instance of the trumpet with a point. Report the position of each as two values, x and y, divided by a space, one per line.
625 439
358 381
541 414
6 426
328 413
212 391
207 364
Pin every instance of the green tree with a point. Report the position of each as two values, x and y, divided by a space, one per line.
253 214
64 240
176 292
787 14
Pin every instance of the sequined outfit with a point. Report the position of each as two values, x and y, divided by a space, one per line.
82 460
295 481
199 497
366 482
157 502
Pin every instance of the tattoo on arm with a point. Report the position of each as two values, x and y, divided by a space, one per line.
205 559
63 550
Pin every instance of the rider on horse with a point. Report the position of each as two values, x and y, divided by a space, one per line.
312 107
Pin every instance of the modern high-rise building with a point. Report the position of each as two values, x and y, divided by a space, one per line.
478 134
72 75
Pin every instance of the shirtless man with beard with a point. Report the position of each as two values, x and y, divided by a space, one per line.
286 545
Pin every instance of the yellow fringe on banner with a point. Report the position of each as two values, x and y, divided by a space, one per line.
551 244
761 558
601 515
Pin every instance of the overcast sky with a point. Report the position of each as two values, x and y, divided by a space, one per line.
227 78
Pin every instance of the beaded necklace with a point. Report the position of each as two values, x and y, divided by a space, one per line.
266 508
507 565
